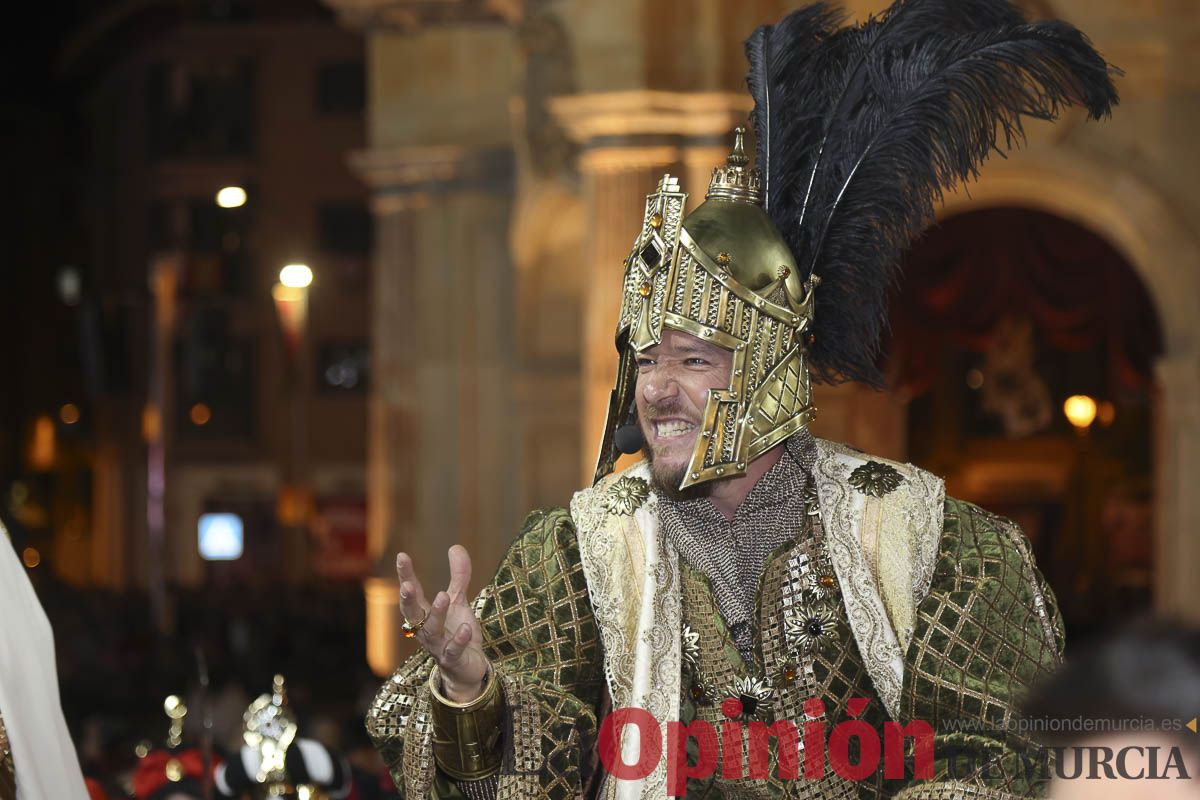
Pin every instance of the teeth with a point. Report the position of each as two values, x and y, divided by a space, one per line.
673 428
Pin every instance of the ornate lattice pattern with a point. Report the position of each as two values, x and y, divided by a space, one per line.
987 629
541 635
783 394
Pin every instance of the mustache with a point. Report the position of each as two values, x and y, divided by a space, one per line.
669 408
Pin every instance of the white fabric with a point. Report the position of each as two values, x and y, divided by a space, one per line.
316 761
644 678
221 782
251 761
46 765
842 517
642 664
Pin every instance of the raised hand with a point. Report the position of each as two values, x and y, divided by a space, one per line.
450 632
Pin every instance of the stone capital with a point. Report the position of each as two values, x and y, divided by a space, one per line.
403 177
644 117
410 16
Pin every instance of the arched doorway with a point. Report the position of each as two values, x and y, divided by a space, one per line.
1003 314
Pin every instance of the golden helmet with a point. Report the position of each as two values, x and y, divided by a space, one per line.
724 274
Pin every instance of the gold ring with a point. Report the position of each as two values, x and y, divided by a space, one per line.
410 629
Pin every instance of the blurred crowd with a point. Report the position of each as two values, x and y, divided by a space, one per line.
115 671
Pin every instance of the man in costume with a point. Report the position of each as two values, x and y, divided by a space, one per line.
744 559
275 762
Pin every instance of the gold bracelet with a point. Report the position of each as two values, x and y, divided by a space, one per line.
466 736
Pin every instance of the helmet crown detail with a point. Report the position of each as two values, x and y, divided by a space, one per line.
735 180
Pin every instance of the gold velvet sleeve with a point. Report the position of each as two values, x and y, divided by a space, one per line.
541 637
988 628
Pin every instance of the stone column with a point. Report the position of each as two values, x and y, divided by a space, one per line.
1178 503
629 140
439 164
441 433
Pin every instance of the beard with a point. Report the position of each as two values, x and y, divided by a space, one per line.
665 479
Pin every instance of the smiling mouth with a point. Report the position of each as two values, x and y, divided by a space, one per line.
672 428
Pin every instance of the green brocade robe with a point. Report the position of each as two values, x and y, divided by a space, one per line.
938 614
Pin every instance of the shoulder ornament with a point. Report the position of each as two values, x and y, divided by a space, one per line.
876 479
626 495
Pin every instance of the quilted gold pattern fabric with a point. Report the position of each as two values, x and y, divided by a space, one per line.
986 628
540 633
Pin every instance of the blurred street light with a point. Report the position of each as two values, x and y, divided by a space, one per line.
151 423
1080 410
70 285
291 303
42 444
296 276
220 536
295 501
231 197
69 413
200 414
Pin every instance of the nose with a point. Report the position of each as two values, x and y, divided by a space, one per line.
657 384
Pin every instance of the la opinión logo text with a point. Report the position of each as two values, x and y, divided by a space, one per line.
816 745
853 749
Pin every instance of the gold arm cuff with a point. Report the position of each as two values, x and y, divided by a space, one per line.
466 736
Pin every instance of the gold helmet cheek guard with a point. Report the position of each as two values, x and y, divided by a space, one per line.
724 275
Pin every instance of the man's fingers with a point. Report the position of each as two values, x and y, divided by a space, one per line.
406 574
431 631
412 599
457 643
460 572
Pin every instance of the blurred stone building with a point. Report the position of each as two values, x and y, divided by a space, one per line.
509 146
195 397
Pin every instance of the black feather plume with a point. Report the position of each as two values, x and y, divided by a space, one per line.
877 121
784 80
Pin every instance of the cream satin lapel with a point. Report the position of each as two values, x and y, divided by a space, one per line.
842 513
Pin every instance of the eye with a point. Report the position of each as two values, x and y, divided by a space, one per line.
643 362
697 362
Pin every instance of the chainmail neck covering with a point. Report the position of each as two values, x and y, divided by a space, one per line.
733 553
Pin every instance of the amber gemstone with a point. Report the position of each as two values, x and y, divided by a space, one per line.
723 258
787 676
656 221
827 581
697 692
644 289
